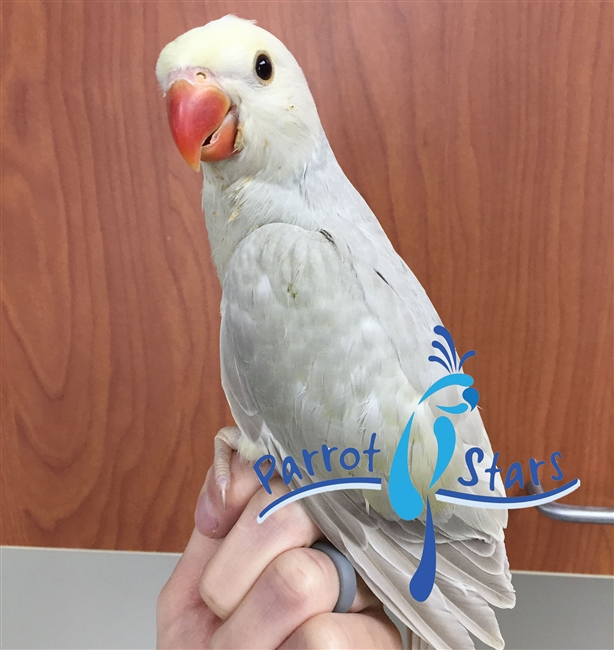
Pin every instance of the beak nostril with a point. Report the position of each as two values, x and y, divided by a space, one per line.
201 76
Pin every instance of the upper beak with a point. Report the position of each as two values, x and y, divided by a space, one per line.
201 121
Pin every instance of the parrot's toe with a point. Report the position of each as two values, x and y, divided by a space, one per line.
226 441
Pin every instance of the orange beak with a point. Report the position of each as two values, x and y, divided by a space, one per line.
201 121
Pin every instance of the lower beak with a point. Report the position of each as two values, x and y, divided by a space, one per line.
201 121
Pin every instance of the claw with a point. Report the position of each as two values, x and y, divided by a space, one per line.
223 482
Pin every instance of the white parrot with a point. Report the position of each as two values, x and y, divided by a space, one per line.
325 332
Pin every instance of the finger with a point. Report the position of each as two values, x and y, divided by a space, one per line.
182 621
200 548
297 585
210 517
250 547
369 629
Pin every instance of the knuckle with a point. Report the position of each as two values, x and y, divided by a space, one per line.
210 593
165 600
301 579
166 606
322 632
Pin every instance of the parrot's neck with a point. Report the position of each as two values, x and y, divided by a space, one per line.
316 195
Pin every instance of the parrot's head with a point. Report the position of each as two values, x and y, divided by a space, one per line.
237 98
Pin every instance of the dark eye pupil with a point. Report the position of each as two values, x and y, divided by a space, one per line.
264 67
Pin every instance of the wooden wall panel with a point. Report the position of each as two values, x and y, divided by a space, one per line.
479 132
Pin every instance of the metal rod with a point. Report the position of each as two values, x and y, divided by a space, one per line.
576 514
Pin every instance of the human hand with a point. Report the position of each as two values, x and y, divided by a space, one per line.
240 584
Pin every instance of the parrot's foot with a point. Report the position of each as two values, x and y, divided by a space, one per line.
226 440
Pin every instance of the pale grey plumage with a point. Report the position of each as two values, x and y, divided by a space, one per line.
302 354
325 338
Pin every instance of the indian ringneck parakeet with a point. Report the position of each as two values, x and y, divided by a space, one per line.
325 331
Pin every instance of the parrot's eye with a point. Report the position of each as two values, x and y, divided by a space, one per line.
263 66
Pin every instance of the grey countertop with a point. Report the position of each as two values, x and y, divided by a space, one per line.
53 598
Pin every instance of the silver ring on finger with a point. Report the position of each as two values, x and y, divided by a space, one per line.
347 576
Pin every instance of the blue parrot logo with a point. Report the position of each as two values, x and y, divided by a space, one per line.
404 497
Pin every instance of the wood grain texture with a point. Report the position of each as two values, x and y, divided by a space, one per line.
479 132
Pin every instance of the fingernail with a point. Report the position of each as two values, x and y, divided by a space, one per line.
204 517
